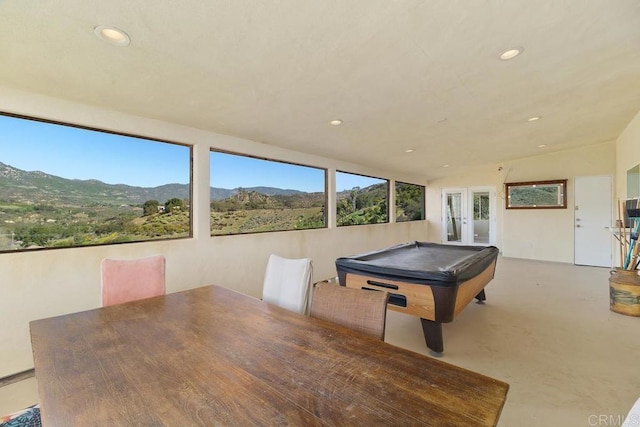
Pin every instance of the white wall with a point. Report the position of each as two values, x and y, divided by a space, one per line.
534 234
41 284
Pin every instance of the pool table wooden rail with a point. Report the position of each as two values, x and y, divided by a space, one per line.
432 303
409 298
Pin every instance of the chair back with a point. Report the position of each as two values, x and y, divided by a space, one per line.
286 283
358 309
125 280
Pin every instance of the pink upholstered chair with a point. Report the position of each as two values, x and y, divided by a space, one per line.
125 280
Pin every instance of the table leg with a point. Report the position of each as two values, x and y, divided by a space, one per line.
433 336
481 297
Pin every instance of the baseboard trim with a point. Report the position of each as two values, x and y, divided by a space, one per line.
29 373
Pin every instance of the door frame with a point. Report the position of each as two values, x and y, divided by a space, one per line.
466 203
612 252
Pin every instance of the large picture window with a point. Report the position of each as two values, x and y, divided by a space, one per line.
409 202
252 195
66 186
361 199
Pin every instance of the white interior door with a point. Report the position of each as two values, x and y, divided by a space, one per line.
593 206
468 216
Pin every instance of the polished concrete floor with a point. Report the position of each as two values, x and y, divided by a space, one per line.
546 329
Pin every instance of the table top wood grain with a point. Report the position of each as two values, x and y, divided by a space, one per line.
212 356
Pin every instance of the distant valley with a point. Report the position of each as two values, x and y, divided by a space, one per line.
17 185
40 210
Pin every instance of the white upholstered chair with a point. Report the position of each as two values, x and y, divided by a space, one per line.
286 283
125 280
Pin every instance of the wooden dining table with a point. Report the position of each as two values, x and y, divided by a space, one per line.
211 356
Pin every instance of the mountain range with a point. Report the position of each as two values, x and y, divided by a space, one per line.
17 185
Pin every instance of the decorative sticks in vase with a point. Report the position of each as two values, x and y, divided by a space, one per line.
629 247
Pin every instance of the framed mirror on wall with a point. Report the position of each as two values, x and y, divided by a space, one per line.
537 194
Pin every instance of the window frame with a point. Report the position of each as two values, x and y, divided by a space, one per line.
423 200
116 133
560 183
388 198
286 162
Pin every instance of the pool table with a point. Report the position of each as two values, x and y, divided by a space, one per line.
429 280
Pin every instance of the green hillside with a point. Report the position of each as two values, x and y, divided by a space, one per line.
250 211
363 205
40 210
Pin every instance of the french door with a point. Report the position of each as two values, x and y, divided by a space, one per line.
468 216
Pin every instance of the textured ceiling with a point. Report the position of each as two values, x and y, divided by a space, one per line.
402 74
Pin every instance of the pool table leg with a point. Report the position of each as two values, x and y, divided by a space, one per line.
433 336
481 297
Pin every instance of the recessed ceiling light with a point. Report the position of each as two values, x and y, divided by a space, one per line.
445 166
542 145
336 122
409 150
511 53
112 35
533 119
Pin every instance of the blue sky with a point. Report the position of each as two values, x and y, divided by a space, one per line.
233 171
75 153
346 181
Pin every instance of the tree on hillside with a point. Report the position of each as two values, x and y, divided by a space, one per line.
409 198
173 204
150 207
354 197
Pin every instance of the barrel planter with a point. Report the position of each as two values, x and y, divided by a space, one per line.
624 292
